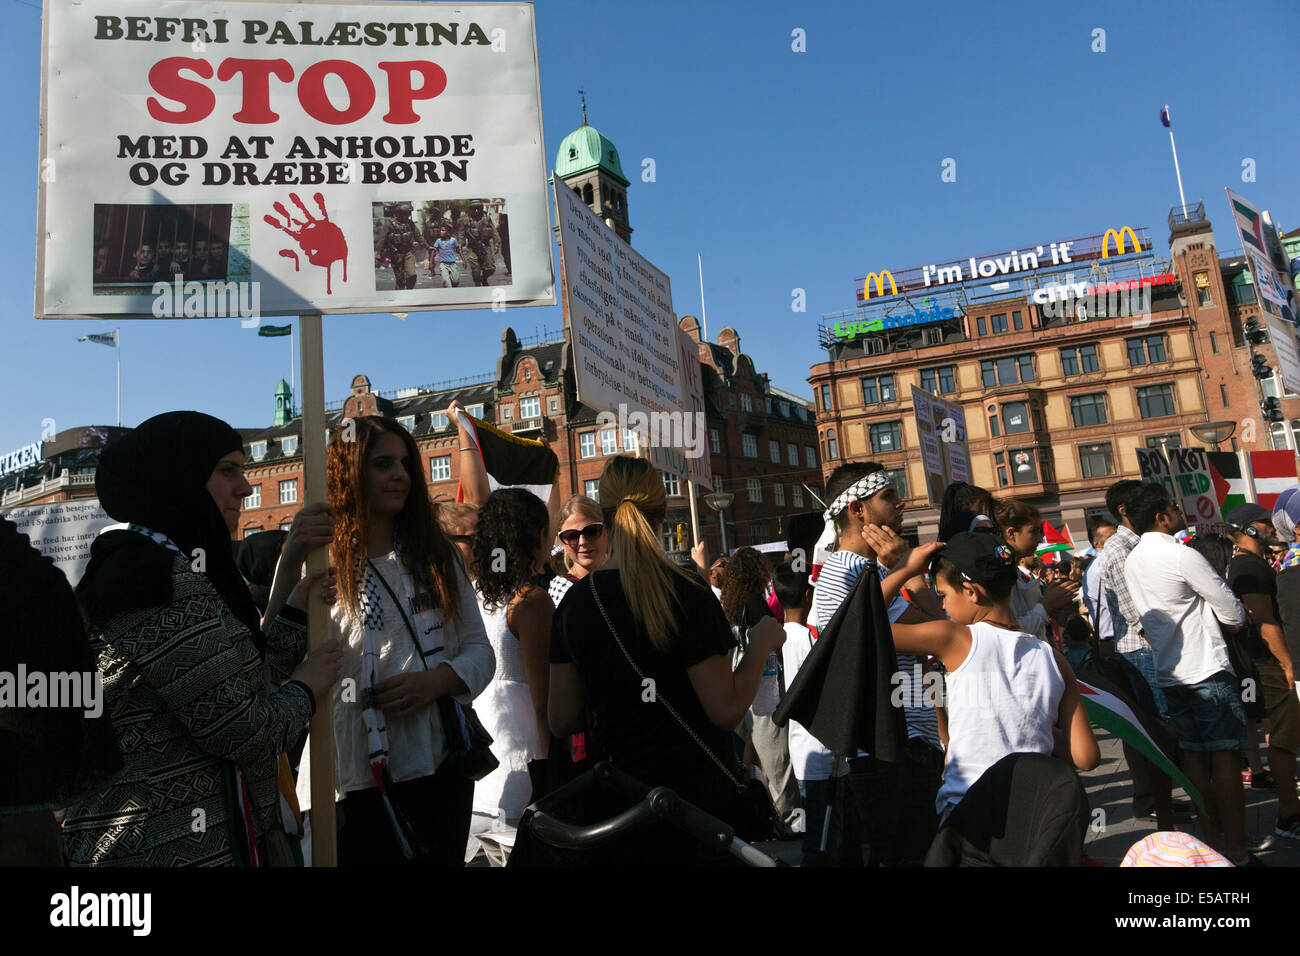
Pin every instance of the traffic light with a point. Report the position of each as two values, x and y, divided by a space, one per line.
1259 368
1255 333
1272 408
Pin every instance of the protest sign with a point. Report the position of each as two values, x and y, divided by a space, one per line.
206 159
624 333
62 531
945 454
1186 477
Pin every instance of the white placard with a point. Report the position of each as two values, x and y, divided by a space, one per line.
63 531
201 159
623 328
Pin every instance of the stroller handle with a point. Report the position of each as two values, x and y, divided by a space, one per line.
658 803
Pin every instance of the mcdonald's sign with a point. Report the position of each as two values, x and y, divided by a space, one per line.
880 284
1119 241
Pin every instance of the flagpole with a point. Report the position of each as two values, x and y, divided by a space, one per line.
704 315
291 382
117 341
1177 172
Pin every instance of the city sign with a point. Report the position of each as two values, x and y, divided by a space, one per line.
848 330
1075 290
1061 252
21 458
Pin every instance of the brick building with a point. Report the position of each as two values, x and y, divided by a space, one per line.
1056 404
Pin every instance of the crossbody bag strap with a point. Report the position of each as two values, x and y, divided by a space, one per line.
658 696
405 620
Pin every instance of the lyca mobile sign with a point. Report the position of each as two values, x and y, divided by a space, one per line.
848 330
21 458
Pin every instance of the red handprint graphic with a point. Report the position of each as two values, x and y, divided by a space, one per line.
320 239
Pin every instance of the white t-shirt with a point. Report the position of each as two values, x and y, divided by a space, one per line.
810 760
1003 699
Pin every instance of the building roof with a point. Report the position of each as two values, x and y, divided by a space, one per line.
586 149
548 355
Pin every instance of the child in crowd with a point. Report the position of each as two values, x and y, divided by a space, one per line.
813 764
1007 691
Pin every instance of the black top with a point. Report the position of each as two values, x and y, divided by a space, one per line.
1289 601
1251 574
638 733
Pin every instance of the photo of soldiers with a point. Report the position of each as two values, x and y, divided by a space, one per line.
457 242
480 244
399 245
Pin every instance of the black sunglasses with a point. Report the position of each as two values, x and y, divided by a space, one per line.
591 533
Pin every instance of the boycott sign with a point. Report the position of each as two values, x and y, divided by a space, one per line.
623 329
1186 476
203 159
941 426
63 531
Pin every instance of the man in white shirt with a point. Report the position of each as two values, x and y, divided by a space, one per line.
1181 601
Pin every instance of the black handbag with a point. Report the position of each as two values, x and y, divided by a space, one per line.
469 745
754 816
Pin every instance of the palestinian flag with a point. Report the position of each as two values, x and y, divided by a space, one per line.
1054 540
513 462
1229 482
1114 715
1274 472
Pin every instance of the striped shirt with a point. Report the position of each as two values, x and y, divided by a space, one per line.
838 575
1124 615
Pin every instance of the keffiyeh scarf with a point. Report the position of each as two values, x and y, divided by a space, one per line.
860 490
424 618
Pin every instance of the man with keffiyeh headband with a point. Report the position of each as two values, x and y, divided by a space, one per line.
894 800
189 673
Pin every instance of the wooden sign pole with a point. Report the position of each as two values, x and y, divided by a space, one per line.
323 849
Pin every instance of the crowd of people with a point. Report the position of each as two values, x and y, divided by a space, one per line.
567 636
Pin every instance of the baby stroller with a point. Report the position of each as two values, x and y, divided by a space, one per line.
545 839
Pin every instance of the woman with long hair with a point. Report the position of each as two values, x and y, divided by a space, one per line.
744 588
1021 525
413 647
512 542
586 546
190 674
640 636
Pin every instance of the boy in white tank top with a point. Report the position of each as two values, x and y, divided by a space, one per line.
1007 691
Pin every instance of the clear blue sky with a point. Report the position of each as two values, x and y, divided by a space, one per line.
783 169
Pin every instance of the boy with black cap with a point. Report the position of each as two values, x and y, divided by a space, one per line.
1007 691
1252 579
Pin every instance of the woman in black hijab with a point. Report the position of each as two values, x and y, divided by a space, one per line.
189 675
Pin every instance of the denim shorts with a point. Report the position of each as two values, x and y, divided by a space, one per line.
1207 715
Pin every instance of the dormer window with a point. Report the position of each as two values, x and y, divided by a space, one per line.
407 422
289 444
573 152
258 450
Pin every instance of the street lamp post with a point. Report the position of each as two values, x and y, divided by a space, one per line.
719 501
1213 433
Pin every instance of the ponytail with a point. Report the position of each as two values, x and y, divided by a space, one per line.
645 572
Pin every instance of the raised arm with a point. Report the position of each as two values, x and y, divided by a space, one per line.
473 474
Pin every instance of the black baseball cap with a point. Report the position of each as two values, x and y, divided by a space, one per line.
980 558
1243 516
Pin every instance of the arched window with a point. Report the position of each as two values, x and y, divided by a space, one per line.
587 195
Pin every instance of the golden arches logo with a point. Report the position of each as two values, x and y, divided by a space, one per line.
1119 241
880 284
